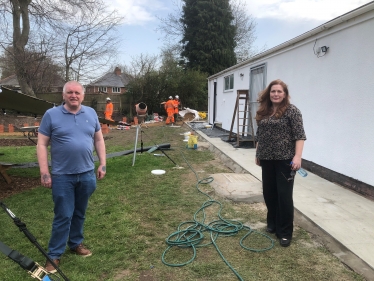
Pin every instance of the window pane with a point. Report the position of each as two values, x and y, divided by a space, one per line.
227 83
232 81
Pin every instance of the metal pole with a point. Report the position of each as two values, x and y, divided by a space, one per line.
136 142
214 101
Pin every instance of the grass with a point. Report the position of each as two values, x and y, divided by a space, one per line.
132 212
18 155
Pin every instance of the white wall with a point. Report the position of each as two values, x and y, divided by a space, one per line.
335 94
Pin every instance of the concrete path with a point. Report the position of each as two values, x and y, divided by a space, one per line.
344 219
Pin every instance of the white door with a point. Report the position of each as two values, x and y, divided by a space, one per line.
257 83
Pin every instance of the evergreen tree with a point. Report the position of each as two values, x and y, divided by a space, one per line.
208 35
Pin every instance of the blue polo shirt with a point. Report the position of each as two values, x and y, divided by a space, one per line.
71 139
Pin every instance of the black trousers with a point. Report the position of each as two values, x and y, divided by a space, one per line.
277 184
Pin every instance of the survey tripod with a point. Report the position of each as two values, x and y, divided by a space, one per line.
33 268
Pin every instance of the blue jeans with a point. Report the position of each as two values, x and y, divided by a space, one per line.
70 195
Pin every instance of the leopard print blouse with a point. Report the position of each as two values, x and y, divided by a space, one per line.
277 137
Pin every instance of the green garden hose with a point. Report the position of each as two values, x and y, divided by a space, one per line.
190 234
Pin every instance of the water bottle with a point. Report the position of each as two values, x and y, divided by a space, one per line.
302 172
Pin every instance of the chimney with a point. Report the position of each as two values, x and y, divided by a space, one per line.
117 71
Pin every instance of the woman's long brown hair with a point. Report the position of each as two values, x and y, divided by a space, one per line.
265 110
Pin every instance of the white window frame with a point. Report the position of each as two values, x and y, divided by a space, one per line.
103 89
229 82
116 89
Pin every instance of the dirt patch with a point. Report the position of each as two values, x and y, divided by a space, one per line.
146 276
18 185
15 142
16 139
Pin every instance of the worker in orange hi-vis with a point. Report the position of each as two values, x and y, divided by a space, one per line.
169 107
108 109
176 107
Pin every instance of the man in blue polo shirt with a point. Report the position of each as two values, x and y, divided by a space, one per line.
72 130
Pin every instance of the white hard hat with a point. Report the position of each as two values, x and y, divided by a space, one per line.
170 97
108 99
177 97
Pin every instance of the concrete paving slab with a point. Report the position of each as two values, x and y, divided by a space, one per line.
362 251
238 187
342 218
325 210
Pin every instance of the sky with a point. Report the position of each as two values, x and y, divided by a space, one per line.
277 21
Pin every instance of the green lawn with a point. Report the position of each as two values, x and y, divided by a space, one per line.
133 212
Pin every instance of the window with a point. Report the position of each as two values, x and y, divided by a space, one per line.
229 82
116 89
102 89
256 85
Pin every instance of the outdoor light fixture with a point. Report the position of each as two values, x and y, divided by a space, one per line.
320 51
324 49
241 74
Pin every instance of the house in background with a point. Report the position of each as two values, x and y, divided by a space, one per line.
111 83
45 86
330 74
10 81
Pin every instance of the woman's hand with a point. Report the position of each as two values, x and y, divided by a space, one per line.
257 161
296 163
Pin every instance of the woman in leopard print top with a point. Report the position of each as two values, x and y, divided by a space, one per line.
280 142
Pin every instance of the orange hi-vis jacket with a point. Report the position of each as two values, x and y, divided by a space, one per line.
169 106
108 111
176 105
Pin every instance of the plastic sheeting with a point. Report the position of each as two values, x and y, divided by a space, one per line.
188 110
17 101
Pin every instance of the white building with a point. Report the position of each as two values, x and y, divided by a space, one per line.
330 74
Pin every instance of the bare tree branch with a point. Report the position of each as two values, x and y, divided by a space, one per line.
171 26
88 45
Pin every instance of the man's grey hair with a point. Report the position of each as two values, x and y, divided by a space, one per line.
72 82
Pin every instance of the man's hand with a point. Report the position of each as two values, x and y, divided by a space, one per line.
46 180
101 171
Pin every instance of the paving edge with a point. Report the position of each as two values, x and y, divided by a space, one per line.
348 258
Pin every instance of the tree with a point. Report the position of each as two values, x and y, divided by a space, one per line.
20 15
6 63
208 35
40 71
190 85
153 85
245 27
171 26
49 17
144 85
89 41
172 29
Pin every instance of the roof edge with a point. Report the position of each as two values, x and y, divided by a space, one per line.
343 18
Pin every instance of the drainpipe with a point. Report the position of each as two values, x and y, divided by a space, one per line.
214 100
